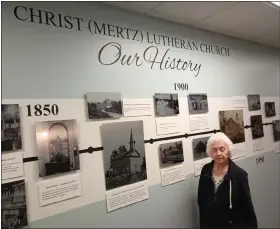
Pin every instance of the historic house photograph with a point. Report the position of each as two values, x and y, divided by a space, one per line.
257 126
171 153
57 145
104 105
254 102
199 146
13 205
232 124
123 153
198 103
166 104
10 128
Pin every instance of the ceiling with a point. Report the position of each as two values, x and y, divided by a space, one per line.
254 21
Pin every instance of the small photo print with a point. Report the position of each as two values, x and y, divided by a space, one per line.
171 154
232 124
166 104
104 105
13 202
254 102
57 145
257 126
123 153
199 146
269 109
10 128
198 103
276 130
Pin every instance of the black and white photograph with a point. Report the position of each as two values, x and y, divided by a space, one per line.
123 153
269 109
257 126
199 146
166 104
104 105
232 125
198 103
57 146
13 205
254 102
10 128
171 154
276 130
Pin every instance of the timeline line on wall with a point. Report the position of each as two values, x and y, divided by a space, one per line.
91 149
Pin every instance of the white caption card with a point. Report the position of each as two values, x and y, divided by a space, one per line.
12 165
199 122
239 102
59 189
137 107
172 175
167 126
124 196
198 165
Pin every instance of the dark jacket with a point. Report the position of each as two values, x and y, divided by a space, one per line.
231 206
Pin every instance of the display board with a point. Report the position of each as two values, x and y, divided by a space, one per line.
106 112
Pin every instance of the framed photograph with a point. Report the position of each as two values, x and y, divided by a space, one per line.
254 102
13 201
171 153
166 104
199 146
198 103
276 130
269 109
57 145
123 153
104 105
10 128
232 125
257 126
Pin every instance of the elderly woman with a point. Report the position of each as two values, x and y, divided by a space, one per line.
224 197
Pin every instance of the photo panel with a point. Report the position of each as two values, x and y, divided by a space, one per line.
104 105
10 128
13 205
198 103
166 104
257 126
232 125
170 154
254 102
57 145
199 146
269 109
123 153
276 130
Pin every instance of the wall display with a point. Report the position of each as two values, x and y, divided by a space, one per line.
269 109
198 103
171 153
166 104
59 189
276 130
104 105
254 102
10 128
57 145
232 124
199 146
257 126
13 202
12 165
123 153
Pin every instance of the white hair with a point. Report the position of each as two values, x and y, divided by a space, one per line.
220 136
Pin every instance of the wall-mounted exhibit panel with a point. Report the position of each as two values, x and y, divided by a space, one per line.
107 113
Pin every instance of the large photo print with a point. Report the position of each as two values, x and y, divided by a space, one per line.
123 153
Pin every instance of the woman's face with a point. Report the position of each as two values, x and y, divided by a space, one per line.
219 152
